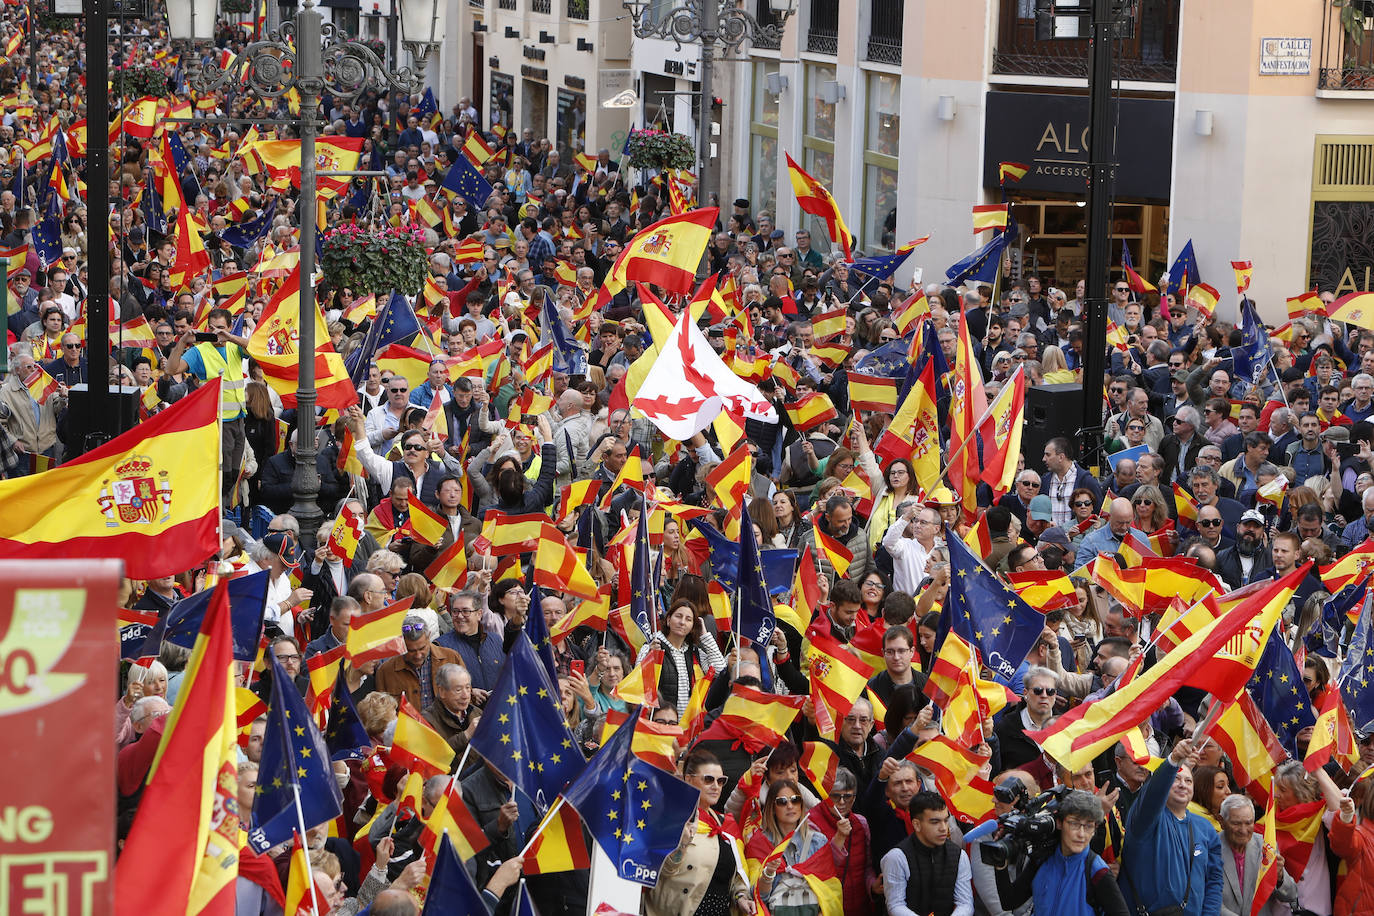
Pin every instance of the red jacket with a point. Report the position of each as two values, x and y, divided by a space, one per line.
1353 842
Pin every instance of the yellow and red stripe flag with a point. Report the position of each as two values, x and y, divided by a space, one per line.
1352 567
145 496
512 535
989 216
348 460
1001 433
184 842
377 635
1245 270
640 685
275 345
1250 744
1013 170
1186 508
41 385
966 404
730 479
911 311
1202 297
829 324
559 567
1308 302
974 700
592 613
813 198
956 773
834 672
947 668
652 742
345 534
872 392
452 817
425 524
450 568
1297 828
755 718
811 411
1220 658
839 556
559 845
820 763
303 897
418 747
323 668
1333 738
1269 867
665 253
1044 589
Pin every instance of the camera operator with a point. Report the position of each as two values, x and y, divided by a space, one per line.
1074 881
1172 861
993 885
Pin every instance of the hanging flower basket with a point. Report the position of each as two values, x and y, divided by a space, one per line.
374 260
135 82
655 149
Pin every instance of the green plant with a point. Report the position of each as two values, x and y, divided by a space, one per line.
235 6
655 149
374 260
1352 18
135 82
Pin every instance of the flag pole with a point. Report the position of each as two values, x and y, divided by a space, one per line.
542 824
987 412
300 822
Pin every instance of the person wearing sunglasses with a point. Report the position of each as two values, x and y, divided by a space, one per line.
1209 526
415 673
1150 513
704 873
1039 692
784 811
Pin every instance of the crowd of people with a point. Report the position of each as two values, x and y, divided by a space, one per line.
1247 480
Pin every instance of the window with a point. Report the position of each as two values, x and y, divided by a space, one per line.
882 138
763 141
820 115
823 35
1050 38
818 141
885 32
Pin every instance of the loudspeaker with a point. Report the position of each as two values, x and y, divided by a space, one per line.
81 421
1051 410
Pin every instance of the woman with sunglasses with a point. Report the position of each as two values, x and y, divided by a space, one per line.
897 484
784 813
1148 511
704 875
1084 507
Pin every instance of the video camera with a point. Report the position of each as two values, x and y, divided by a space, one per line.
1027 834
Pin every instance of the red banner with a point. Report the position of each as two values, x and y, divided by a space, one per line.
57 694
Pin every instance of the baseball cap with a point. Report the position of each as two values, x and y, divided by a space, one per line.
1041 509
1252 515
1054 536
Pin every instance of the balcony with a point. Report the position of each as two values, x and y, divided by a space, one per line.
1347 50
1050 38
505 4
885 32
823 34
765 17
578 9
542 6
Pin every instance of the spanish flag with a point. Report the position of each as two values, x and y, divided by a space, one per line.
1202 297
1333 737
1013 170
829 324
912 311
332 154
1000 430
184 844
559 567
594 613
1044 589
1244 271
377 635
450 568
665 254
813 198
41 385
149 497
426 524
811 411
836 674
303 897
989 216
640 686
416 746
452 817
275 345
836 553
755 718
558 846
1219 658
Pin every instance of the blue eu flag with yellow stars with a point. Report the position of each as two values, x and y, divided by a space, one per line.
537 629
395 323
643 595
724 554
756 621
344 734
988 614
451 889
295 764
463 178
247 234
1354 678
523 731
1278 691
634 810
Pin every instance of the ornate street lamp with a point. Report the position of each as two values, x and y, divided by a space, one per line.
710 22
312 57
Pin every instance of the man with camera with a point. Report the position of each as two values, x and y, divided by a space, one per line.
1172 859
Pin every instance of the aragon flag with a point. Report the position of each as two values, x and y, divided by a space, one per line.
149 497
275 345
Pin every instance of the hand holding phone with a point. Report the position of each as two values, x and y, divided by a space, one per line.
578 666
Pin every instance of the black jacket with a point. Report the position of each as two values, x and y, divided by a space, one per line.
1230 571
1173 451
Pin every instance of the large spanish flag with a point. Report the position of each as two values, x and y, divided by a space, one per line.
665 253
1219 658
275 344
814 198
332 154
183 850
149 497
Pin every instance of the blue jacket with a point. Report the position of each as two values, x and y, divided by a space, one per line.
481 654
1159 858
1101 540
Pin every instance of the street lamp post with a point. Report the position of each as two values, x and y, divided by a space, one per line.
310 57
710 22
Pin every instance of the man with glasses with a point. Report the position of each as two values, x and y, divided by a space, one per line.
477 646
1033 713
288 655
415 673
1137 409
21 291
70 368
1018 501
910 540
899 648
806 255
1210 533
384 421
1180 448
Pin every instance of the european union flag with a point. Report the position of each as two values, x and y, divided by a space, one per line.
428 110
634 810
1252 356
724 554
1278 691
643 595
891 360
982 265
463 178
451 889
625 150
344 734
361 197
537 629
992 617
756 621
295 768
523 732
779 569
1355 673
882 266
1183 273
154 214
47 238
248 234
181 625
574 356
395 323
1324 638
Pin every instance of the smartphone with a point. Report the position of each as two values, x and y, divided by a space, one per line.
206 336
578 666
